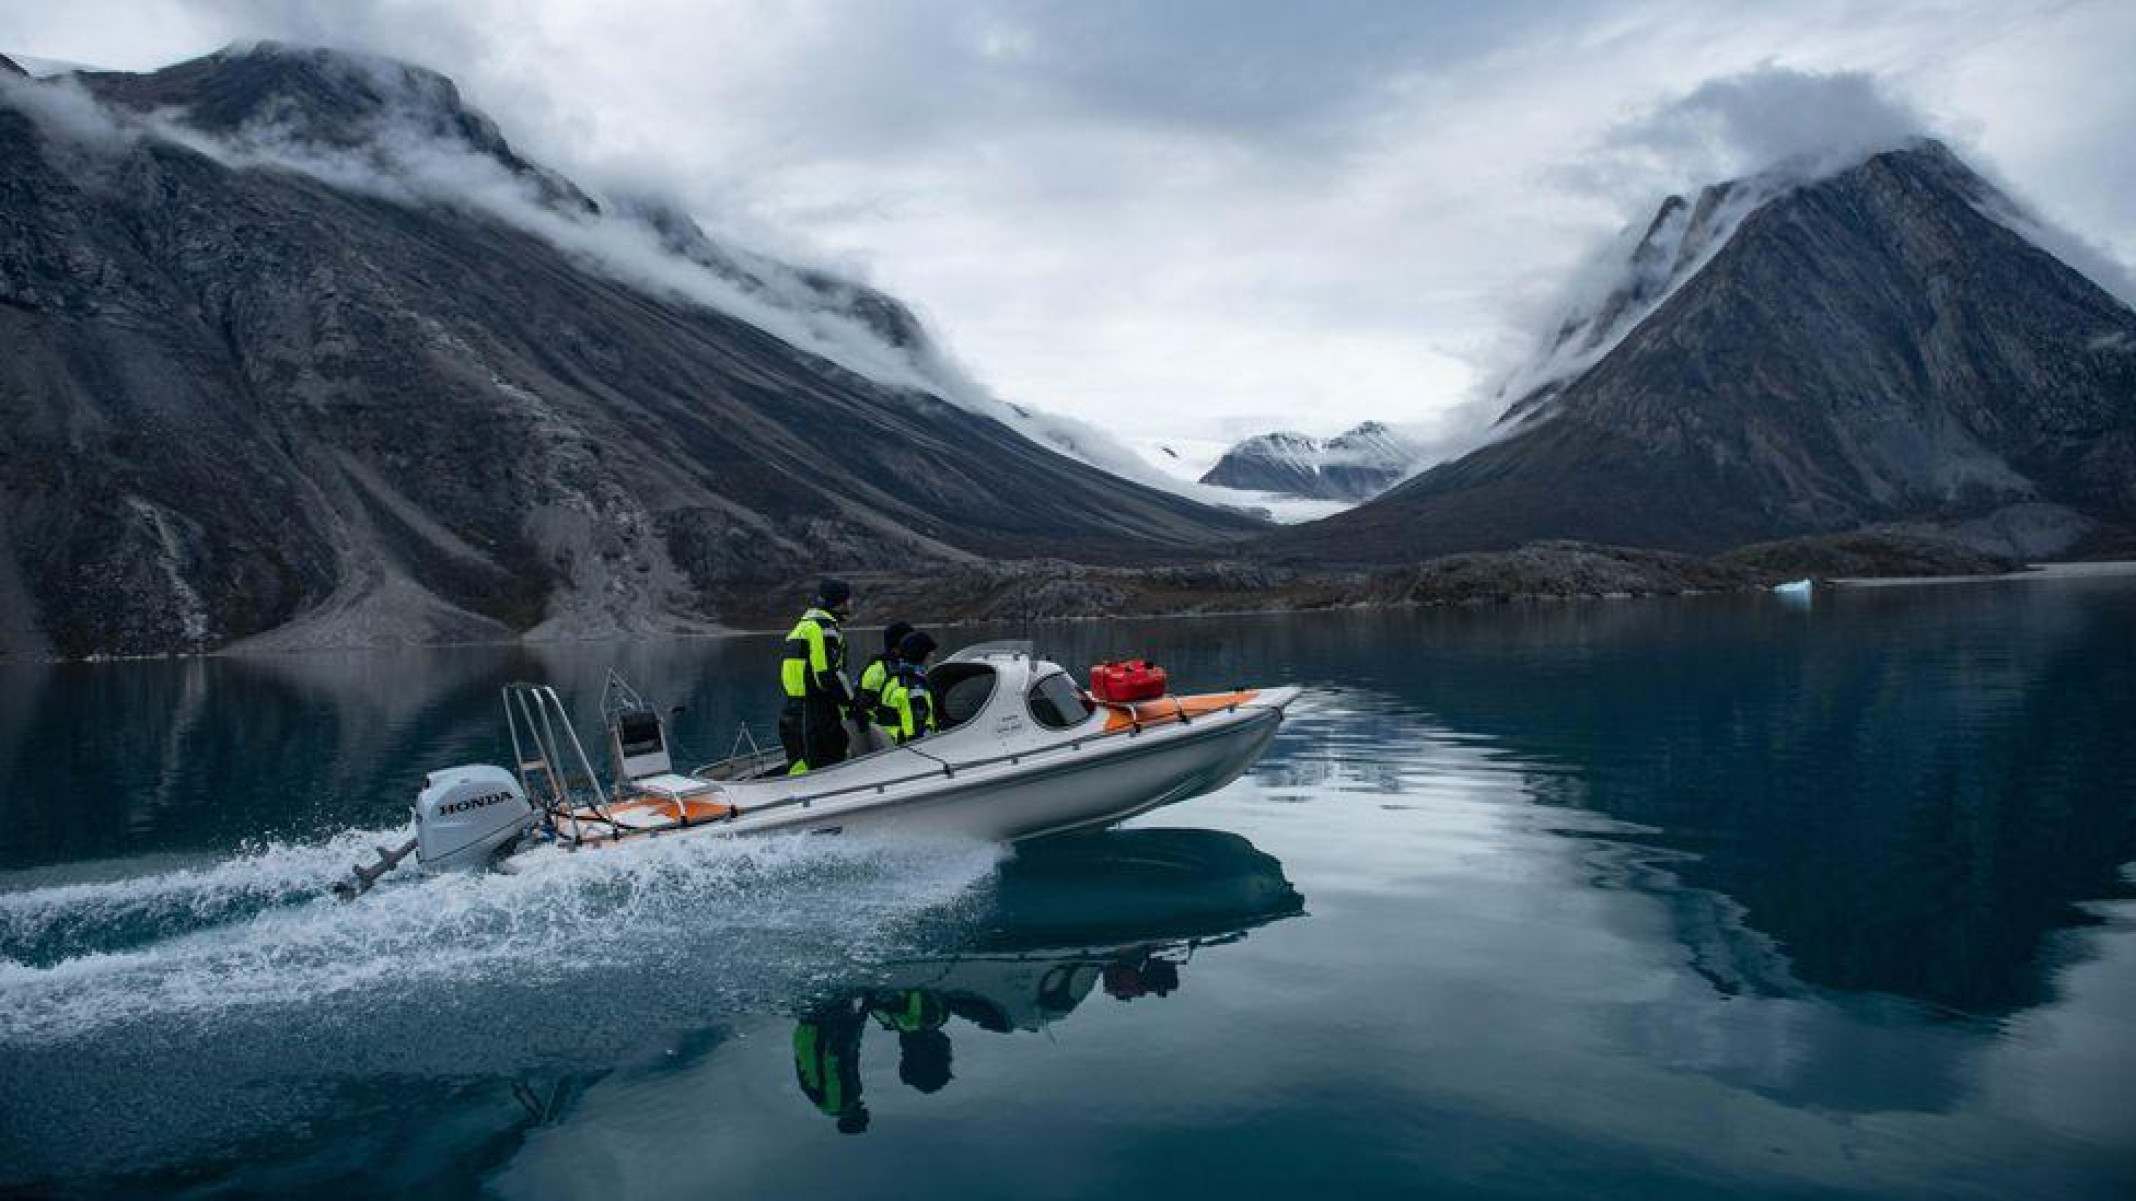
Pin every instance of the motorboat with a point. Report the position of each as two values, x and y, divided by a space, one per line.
1021 751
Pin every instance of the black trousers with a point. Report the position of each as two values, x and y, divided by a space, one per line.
813 732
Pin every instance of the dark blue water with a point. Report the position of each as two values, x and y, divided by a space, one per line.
1716 896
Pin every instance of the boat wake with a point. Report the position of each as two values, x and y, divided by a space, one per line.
44 922
257 931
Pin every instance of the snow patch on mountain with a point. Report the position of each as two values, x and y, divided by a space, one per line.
1350 467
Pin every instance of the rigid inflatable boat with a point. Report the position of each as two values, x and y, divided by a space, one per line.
1021 751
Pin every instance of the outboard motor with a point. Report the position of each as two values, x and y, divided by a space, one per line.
468 816
464 817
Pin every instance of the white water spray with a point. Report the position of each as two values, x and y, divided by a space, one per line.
258 931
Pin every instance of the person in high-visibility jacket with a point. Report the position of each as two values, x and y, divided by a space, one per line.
876 675
818 695
907 709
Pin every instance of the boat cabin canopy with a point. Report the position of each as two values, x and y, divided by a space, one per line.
1003 681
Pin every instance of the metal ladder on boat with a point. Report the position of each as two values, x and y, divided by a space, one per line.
551 762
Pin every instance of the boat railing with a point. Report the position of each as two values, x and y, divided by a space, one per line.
752 763
749 765
618 698
558 771
547 755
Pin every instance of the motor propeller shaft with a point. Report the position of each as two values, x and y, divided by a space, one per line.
366 876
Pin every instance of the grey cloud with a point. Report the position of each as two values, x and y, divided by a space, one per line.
1753 121
1806 123
1157 215
883 78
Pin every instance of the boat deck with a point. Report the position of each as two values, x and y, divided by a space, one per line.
640 815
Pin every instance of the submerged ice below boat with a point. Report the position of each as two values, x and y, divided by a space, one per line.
1022 751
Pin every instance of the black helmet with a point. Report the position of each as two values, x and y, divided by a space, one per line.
894 633
915 647
832 592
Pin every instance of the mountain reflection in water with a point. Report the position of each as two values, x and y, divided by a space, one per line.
1909 798
1662 898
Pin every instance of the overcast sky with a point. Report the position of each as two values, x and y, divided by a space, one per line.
1197 220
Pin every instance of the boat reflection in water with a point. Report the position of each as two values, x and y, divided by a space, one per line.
1122 912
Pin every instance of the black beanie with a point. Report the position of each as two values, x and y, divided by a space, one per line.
894 633
915 647
832 592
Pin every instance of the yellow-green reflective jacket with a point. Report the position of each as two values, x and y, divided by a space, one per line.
815 655
907 706
872 679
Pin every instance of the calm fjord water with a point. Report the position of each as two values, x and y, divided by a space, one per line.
1658 898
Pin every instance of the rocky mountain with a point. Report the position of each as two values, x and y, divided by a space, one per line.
295 347
1784 358
1353 465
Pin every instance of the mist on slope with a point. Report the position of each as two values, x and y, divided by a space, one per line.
1771 129
1762 134
405 160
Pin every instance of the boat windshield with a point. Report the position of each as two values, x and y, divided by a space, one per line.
961 691
1056 703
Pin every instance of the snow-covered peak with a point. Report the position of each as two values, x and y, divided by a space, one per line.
1372 444
1354 465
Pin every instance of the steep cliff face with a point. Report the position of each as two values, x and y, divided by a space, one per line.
247 399
1354 465
1877 345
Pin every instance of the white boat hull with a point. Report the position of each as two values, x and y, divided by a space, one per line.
1023 754
1008 801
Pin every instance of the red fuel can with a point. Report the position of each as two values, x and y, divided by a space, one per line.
1127 680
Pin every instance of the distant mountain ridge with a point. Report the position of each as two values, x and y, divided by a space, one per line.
1874 346
268 382
1354 465
259 386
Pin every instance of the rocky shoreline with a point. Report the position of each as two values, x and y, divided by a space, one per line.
1022 590
1055 590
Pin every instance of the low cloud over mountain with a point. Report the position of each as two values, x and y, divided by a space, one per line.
296 344
1802 352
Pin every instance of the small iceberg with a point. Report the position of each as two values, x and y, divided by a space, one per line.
1796 589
